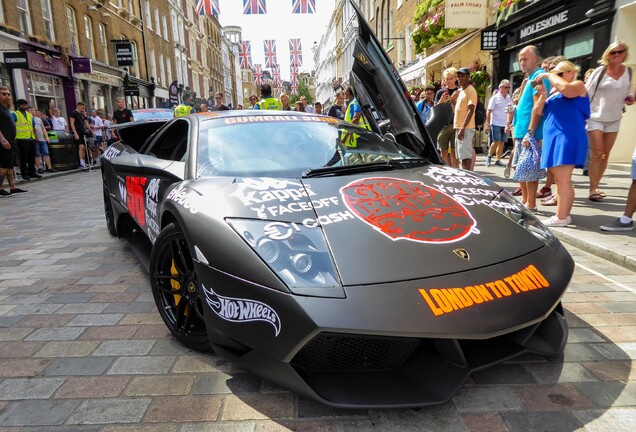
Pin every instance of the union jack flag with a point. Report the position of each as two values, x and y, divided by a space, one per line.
245 54
258 74
293 72
254 7
208 7
270 53
303 6
276 75
295 52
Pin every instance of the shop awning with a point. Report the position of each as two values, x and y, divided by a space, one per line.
417 70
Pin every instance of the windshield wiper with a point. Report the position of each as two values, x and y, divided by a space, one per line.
360 168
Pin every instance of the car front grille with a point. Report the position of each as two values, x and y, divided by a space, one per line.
332 352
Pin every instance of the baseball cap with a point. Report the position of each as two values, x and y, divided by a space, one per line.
464 71
23 102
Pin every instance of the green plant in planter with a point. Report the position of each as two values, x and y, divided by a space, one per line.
431 18
505 8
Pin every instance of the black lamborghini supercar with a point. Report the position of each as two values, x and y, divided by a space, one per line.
347 265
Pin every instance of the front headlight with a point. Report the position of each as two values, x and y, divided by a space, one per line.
508 206
296 253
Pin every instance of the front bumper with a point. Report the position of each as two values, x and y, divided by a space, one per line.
386 345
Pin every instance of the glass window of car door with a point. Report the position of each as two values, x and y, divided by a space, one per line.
173 142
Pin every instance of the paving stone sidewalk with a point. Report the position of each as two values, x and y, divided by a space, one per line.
82 347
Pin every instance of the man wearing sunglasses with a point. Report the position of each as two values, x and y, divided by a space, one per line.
218 105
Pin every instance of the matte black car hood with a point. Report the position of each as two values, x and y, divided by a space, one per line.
388 226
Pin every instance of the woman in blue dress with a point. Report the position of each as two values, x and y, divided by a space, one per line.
564 136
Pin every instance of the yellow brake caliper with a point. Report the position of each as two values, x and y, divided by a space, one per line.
176 286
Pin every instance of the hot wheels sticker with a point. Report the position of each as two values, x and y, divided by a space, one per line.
410 210
241 310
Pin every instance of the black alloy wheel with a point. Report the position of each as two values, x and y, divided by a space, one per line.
175 288
108 213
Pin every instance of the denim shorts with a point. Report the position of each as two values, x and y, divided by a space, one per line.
605 126
634 165
41 149
498 133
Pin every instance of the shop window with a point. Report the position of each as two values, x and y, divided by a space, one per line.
72 30
45 91
88 33
47 17
103 42
24 17
579 43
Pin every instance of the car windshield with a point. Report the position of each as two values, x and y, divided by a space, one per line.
286 146
152 114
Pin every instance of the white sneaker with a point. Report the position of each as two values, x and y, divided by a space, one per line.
488 160
556 222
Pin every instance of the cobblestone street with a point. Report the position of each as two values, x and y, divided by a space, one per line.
82 347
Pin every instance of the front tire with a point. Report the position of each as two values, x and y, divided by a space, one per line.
175 288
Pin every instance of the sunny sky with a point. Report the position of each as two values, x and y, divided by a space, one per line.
279 24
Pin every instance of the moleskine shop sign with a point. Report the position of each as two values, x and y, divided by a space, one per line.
124 53
552 23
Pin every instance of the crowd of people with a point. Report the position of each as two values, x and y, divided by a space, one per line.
556 122
24 137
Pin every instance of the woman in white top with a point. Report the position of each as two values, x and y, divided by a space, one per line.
610 89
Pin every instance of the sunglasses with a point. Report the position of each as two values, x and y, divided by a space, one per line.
617 52
505 87
561 74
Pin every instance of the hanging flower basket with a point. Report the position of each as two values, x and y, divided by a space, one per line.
431 18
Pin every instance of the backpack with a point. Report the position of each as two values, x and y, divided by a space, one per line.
480 114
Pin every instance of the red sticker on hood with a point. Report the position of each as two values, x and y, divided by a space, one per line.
402 209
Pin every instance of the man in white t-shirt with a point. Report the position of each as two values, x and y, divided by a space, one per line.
97 126
41 143
496 118
57 122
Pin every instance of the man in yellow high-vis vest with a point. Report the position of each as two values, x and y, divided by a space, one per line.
25 139
354 115
268 102
185 108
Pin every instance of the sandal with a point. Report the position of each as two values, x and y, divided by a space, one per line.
507 172
551 201
596 196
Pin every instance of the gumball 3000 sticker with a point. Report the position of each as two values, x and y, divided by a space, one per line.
409 210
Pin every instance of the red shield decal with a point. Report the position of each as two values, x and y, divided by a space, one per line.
402 209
